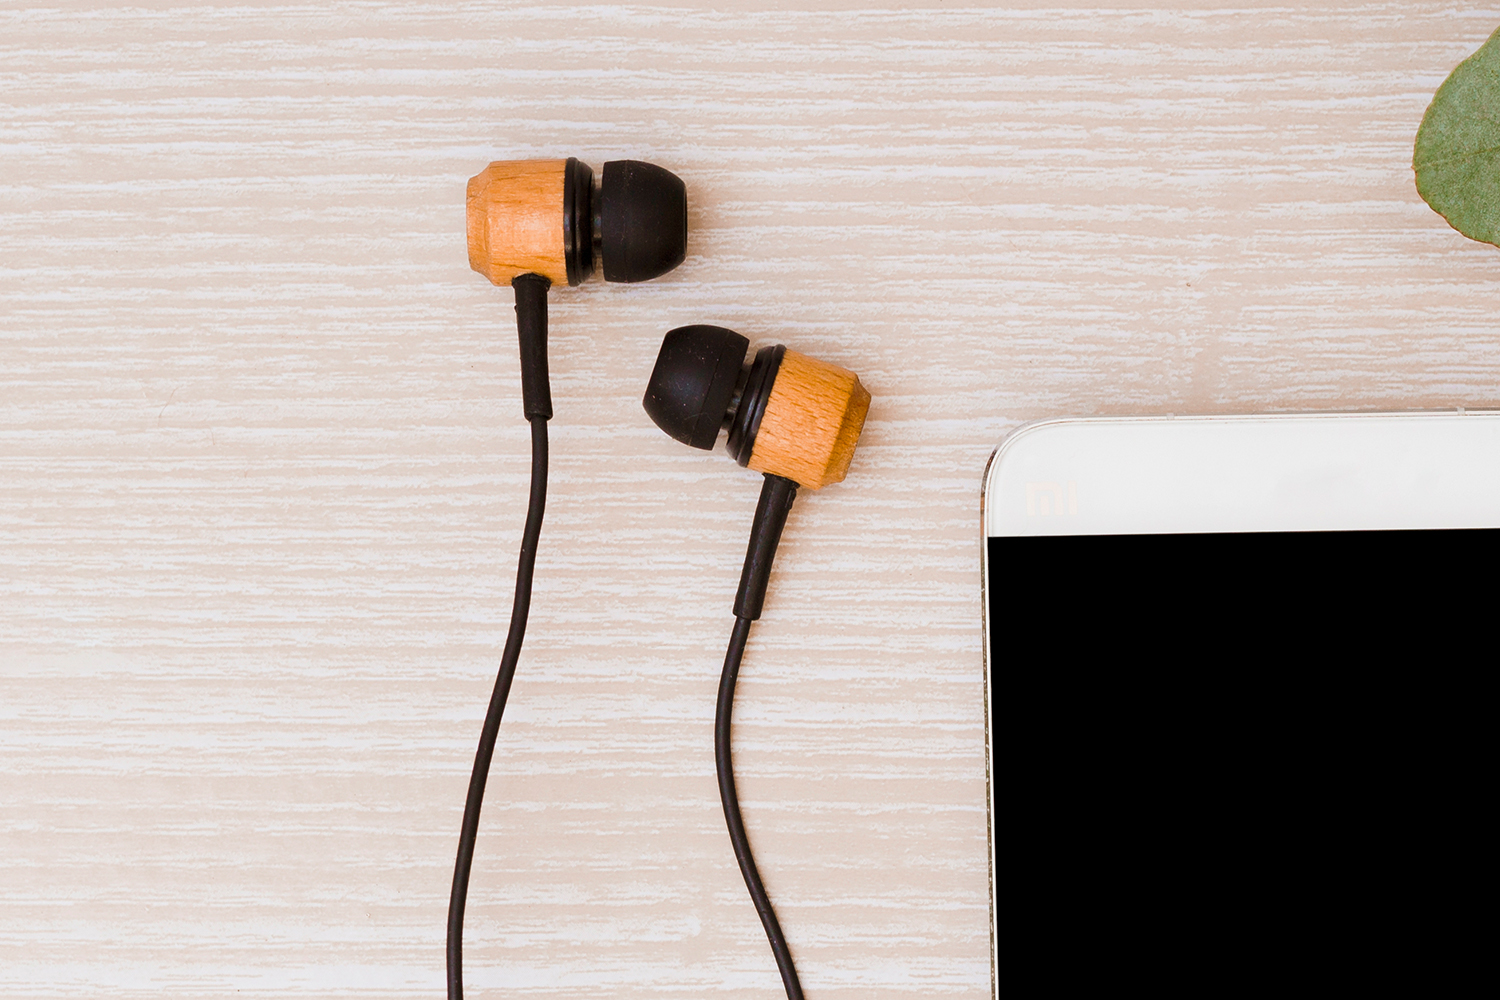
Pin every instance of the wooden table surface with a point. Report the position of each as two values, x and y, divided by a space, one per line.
263 467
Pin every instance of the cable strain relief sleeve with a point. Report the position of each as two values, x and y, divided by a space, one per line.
531 326
776 496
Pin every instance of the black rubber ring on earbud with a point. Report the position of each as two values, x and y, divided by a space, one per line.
752 406
578 220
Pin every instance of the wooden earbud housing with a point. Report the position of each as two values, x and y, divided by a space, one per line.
516 212
547 217
788 415
811 423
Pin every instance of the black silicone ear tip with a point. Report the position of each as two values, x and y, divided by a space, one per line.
643 218
693 382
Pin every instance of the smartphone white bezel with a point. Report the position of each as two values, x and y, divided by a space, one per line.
1279 472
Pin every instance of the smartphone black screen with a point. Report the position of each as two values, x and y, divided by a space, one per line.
1227 760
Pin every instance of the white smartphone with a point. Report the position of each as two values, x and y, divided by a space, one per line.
1240 702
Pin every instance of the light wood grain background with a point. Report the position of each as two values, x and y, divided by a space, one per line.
262 462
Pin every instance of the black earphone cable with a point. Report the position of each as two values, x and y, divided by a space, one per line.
724 764
776 496
531 325
522 606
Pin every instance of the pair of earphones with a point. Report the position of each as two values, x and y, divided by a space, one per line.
533 224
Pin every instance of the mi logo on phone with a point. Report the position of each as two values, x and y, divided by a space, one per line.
1047 499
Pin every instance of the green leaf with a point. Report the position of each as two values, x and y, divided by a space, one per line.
1457 156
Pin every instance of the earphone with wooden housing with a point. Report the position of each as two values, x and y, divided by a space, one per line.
533 224
797 420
